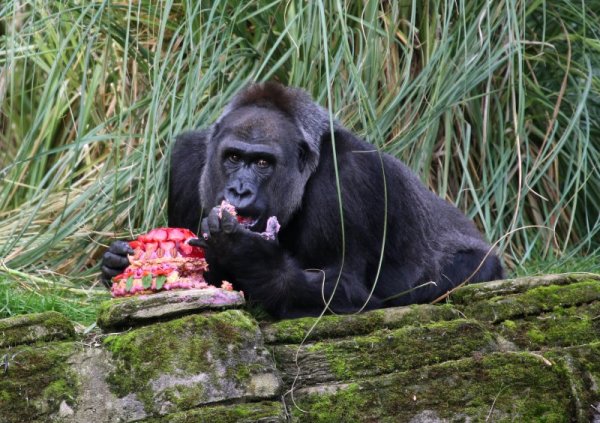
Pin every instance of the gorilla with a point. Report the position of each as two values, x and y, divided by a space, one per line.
358 228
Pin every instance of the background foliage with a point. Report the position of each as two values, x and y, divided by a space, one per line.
496 104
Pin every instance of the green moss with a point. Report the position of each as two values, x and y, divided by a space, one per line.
185 397
501 386
536 336
57 391
555 407
484 291
563 326
142 309
104 316
346 405
37 381
30 328
509 324
386 350
581 366
234 413
243 374
168 360
295 330
534 301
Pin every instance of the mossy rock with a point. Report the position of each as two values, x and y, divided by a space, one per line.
36 382
294 331
531 354
30 328
519 350
483 291
260 412
581 367
382 352
561 327
195 360
500 387
142 309
534 301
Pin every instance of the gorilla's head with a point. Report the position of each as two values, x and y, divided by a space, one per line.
261 152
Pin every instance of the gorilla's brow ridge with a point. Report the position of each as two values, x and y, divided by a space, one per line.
251 149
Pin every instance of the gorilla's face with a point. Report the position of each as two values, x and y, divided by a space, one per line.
256 162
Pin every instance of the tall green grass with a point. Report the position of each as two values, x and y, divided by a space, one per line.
496 104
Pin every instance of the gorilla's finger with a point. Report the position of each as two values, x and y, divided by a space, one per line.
121 248
108 272
115 261
204 230
229 223
198 242
214 225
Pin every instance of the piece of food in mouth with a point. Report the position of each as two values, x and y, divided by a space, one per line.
271 229
162 260
245 221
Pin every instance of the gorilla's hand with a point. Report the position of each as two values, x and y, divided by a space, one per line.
229 244
115 261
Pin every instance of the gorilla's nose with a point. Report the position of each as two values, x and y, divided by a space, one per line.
240 195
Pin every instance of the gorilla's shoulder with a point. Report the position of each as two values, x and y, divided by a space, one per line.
188 157
191 142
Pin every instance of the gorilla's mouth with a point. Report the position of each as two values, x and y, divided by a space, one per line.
247 222
249 218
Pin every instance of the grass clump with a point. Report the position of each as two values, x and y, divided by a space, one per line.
17 297
495 104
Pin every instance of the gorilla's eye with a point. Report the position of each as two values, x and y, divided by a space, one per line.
233 158
262 163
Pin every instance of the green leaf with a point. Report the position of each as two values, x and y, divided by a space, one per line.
147 281
160 281
129 284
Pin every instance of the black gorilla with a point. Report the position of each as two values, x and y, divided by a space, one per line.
271 154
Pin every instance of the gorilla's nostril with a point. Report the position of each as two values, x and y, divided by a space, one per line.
240 199
239 193
239 189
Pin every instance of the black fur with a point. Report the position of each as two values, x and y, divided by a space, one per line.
114 261
426 238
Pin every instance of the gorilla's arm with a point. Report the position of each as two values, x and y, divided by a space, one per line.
272 277
188 158
293 292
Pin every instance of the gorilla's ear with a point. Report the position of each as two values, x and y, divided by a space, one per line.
311 119
304 154
313 122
